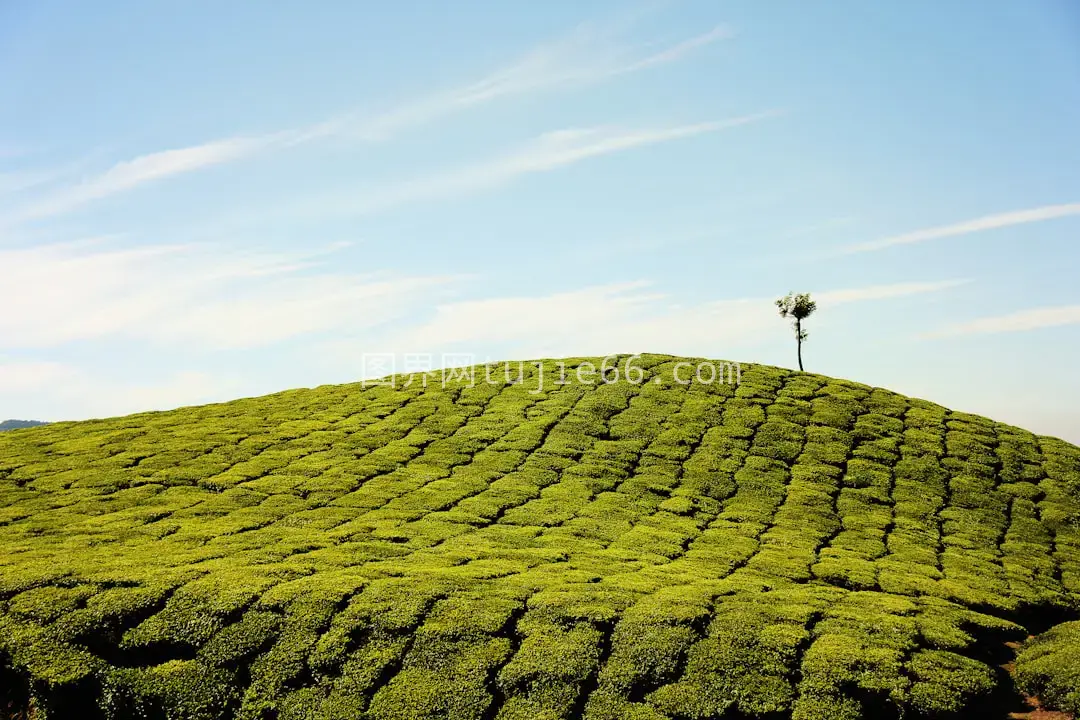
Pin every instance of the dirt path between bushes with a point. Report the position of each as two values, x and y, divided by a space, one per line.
1036 711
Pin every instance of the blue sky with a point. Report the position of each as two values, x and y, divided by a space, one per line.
204 200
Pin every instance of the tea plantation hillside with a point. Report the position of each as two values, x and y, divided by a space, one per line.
793 546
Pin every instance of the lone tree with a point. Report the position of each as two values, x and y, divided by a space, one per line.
798 307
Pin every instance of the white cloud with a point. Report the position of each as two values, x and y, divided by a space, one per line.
277 311
31 376
988 222
603 319
17 181
563 147
1033 319
585 57
679 50
55 391
182 388
829 226
129 174
547 152
882 292
523 318
221 310
56 294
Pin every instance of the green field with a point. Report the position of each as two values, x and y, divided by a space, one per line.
793 546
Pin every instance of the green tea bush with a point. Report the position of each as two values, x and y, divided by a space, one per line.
1048 666
794 546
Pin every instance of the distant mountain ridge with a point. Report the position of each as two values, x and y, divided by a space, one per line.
17 424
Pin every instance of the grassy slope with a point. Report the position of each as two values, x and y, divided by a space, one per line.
797 545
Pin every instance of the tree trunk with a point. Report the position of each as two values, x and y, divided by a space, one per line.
798 338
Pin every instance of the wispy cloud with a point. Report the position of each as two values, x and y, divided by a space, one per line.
827 226
564 147
130 174
48 390
882 292
547 152
987 222
1020 321
250 300
620 317
32 376
189 295
586 56
18 181
679 50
